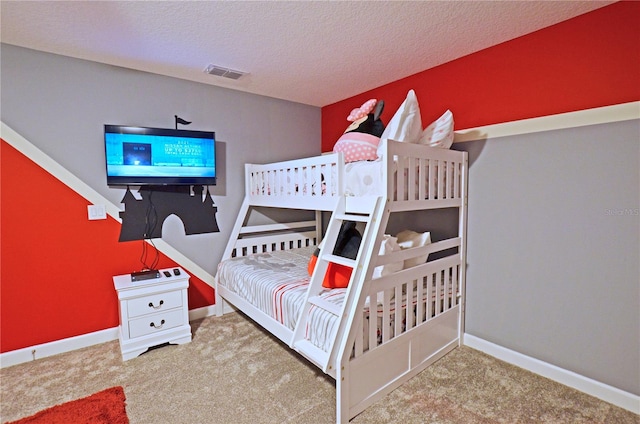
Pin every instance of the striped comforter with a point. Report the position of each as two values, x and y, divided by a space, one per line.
276 283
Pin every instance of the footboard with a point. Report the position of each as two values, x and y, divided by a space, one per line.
310 183
411 318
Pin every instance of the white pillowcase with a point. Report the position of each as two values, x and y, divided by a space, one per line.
406 124
388 246
408 239
439 133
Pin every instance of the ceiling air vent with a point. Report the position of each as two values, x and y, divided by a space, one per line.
224 72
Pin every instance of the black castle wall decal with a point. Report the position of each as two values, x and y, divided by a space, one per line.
143 219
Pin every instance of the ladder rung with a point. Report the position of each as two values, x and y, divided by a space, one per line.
339 260
312 352
322 303
351 217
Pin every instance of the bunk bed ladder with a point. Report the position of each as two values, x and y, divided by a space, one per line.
370 218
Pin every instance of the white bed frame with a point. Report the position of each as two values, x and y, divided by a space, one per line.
363 373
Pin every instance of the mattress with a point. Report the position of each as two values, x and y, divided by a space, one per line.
276 283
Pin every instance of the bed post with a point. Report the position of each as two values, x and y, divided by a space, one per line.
342 394
462 216
319 231
233 238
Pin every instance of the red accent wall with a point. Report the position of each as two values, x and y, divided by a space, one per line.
57 266
589 61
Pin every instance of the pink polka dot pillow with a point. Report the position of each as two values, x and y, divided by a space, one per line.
440 132
357 146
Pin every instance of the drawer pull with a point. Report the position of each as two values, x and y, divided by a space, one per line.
156 307
155 326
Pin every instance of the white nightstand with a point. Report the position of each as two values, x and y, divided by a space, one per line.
153 311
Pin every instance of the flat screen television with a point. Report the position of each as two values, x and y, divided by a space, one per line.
158 156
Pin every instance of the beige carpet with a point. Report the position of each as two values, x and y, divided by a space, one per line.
233 372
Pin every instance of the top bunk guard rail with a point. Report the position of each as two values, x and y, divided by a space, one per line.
422 177
310 183
416 177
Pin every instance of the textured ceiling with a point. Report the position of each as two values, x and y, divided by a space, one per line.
312 52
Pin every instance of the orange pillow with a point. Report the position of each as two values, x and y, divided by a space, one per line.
337 276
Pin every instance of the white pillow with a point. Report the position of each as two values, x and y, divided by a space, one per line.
439 133
406 124
388 246
408 239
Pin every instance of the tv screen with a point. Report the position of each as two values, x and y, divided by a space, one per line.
158 156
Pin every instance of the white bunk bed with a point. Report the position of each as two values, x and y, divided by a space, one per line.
419 311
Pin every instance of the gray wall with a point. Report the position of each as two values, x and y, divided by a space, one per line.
553 248
60 104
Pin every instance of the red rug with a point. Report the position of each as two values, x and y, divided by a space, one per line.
105 407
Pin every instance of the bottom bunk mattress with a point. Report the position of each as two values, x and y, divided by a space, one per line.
276 283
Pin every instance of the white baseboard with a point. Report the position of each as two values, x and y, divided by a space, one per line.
200 313
227 308
40 351
602 391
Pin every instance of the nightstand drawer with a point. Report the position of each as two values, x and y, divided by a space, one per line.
155 323
154 303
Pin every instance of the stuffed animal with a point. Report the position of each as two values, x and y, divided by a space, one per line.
360 140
